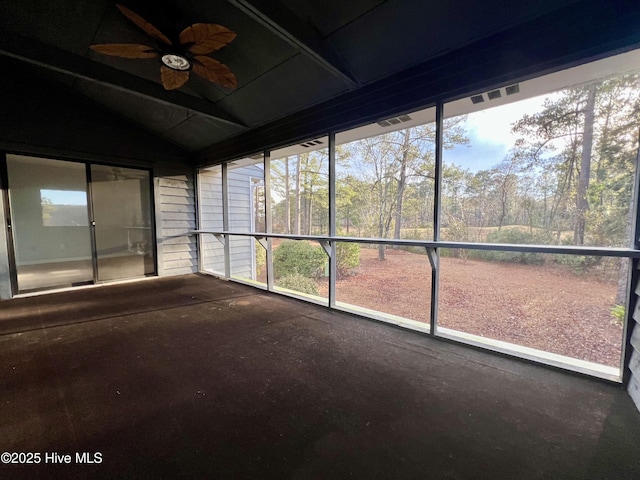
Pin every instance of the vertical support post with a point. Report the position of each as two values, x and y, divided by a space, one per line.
157 201
92 223
199 243
437 203
268 218
225 220
333 269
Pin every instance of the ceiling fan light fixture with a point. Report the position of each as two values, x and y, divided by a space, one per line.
176 61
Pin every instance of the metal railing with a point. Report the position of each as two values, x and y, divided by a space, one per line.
328 244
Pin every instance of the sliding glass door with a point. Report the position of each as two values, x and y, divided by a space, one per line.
122 212
73 223
49 222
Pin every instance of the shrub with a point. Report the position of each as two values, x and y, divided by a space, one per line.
511 235
347 258
299 283
579 264
618 313
261 259
516 236
299 257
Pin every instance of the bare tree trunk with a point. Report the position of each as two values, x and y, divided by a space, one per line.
381 247
623 269
296 225
582 204
348 217
381 232
503 204
287 194
310 211
402 182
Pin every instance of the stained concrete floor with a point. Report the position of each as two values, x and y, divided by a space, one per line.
193 377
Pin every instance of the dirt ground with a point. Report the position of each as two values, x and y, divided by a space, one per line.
543 307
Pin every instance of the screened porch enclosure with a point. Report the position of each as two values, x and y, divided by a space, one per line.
504 220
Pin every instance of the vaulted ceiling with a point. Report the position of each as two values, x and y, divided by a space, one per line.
289 56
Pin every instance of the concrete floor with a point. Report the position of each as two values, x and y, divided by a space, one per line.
193 377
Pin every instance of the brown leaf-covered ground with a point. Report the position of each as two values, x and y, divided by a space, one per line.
544 307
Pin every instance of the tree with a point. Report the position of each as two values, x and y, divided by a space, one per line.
287 196
584 140
297 216
395 163
584 174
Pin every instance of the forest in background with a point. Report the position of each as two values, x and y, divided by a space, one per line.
567 179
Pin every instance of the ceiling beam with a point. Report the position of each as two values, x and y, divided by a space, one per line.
516 54
283 23
51 58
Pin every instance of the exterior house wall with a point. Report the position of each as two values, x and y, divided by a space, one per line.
210 204
634 362
48 121
175 217
242 257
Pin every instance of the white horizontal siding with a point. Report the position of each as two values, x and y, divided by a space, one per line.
634 363
173 197
210 203
240 211
634 390
170 257
173 224
172 216
177 250
169 207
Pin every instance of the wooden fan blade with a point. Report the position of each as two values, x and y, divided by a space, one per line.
204 38
172 79
146 27
125 50
214 71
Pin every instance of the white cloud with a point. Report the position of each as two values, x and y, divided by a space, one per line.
490 136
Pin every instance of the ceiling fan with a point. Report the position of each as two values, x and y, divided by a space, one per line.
178 59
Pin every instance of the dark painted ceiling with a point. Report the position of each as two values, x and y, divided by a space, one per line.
288 56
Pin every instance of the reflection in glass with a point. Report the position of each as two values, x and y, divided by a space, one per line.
123 236
64 208
51 236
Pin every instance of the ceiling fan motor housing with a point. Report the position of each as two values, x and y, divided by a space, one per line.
176 61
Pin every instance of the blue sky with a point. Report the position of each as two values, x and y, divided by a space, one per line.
489 133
